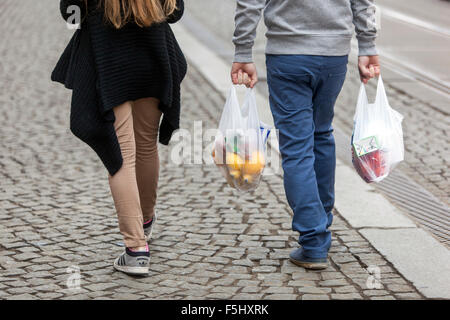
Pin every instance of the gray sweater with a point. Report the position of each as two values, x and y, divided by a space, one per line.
312 27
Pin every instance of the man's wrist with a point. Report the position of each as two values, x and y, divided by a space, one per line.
367 49
243 54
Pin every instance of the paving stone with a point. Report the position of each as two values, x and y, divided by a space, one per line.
251 289
315 297
301 283
25 296
283 290
333 283
345 289
171 283
267 262
332 275
216 259
20 290
49 295
247 296
383 298
222 282
225 289
219 295
305 276
372 293
47 288
100 286
408 296
400 288
346 296
244 283
270 282
314 290
264 269
26 256
281 297
178 263
243 262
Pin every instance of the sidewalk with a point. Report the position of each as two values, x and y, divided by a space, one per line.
57 215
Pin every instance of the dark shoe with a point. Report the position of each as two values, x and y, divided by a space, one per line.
298 258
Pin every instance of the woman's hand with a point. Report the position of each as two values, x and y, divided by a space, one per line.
244 73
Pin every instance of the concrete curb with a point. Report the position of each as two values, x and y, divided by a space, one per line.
415 253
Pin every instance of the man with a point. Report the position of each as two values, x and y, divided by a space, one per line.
308 42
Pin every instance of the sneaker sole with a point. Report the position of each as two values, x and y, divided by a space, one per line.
135 271
310 265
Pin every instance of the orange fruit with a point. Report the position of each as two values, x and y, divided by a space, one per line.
255 165
234 161
236 174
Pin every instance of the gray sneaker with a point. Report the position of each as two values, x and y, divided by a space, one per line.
133 263
148 228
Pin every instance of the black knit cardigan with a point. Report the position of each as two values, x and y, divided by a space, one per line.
106 67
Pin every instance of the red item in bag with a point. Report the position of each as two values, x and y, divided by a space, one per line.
370 166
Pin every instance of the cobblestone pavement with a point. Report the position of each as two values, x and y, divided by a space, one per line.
56 211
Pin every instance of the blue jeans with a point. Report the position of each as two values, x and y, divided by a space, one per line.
303 90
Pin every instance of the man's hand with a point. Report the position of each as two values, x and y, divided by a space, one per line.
244 73
369 67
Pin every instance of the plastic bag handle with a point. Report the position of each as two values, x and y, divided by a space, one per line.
362 101
252 112
246 106
231 114
381 97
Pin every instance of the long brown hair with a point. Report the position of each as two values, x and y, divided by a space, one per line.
143 12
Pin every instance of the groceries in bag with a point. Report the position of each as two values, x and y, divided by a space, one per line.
240 145
377 141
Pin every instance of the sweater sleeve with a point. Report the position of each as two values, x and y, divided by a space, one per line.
248 14
178 13
64 6
365 26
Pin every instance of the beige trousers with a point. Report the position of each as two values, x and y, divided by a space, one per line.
134 186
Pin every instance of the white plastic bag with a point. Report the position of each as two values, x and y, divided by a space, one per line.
239 149
377 141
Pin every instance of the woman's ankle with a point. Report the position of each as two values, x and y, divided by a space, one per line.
148 219
139 249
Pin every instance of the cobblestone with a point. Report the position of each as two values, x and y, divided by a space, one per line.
346 296
315 297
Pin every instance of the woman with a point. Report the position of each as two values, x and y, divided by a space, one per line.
125 67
